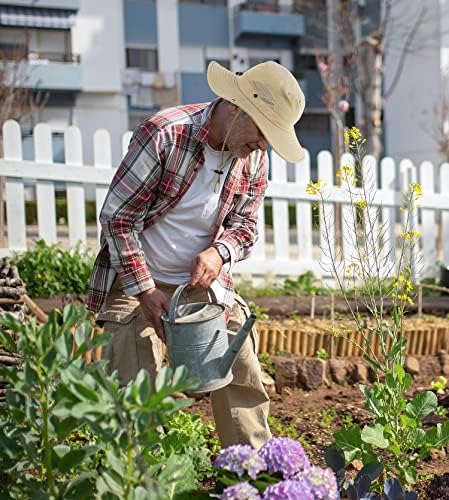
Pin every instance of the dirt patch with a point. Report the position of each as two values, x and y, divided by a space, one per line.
313 417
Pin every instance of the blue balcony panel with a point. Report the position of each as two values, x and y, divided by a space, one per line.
313 89
195 88
203 25
272 24
140 21
48 4
54 76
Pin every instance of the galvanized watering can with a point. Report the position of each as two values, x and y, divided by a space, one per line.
197 338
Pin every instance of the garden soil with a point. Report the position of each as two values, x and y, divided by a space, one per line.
313 417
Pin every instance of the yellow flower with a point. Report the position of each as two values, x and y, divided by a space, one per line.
416 189
411 236
315 187
345 172
353 136
361 204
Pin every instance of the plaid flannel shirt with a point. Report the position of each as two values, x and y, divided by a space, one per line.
164 156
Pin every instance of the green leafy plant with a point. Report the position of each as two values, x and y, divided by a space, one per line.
267 363
441 411
439 385
48 270
367 275
305 284
397 432
326 417
186 434
68 430
259 311
321 353
360 487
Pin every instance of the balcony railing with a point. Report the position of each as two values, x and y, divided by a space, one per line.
37 57
267 7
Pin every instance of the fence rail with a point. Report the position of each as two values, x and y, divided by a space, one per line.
282 249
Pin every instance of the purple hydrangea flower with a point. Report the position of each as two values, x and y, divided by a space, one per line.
289 490
322 482
240 458
284 455
240 491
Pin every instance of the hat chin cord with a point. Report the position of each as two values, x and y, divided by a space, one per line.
219 169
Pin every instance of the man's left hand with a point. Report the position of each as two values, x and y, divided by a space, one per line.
206 267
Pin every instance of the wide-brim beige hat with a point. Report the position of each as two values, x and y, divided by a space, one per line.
271 96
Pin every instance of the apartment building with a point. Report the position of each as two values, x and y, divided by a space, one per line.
73 52
111 63
169 44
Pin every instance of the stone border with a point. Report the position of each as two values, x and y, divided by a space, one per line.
311 373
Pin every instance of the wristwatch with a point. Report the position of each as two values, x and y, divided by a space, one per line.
223 252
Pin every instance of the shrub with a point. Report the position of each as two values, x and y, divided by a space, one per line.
48 270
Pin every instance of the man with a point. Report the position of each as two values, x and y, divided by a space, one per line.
182 207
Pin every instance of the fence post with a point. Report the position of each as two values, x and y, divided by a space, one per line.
444 176
408 173
76 210
428 221
280 210
388 177
304 212
371 213
14 190
348 218
45 190
327 216
102 159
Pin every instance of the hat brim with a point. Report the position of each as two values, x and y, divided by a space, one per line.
224 83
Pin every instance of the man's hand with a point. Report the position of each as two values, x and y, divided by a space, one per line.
154 303
206 267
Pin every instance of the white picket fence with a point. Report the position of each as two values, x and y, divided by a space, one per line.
280 251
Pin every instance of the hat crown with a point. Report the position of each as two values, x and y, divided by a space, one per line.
274 91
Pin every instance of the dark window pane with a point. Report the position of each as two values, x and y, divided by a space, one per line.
142 58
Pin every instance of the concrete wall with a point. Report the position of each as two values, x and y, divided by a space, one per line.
98 36
409 113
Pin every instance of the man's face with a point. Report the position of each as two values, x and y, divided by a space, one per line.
245 137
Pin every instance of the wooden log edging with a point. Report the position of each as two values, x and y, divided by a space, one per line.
305 337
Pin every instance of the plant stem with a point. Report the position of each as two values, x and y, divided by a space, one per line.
47 467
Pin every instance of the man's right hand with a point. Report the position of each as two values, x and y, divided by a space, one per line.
154 303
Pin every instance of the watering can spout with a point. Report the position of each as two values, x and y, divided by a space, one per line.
231 354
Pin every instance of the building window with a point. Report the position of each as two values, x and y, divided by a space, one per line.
142 58
252 61
313 123
208 2
224 62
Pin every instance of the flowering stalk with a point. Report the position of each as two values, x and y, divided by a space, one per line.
368 265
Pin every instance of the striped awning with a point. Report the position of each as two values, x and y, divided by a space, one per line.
27 17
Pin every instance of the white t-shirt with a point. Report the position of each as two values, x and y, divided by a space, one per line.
183 232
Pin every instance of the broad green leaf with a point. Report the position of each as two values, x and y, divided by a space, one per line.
438 435
64 344
66 458
400 372
372 469
374 435
423 404
349 440
407 421
81 486
416 438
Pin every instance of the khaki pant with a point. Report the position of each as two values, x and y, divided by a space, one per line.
240 409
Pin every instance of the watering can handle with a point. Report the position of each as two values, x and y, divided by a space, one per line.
178 293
